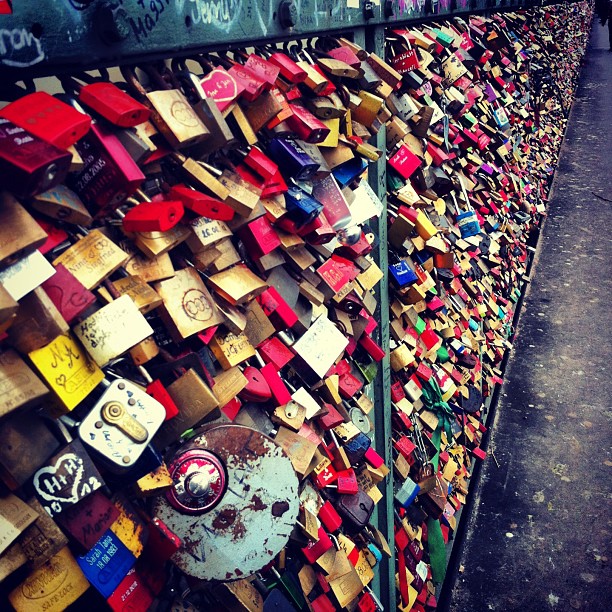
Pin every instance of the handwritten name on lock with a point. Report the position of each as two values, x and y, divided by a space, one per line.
92 259
107 563
67 369
68 477
321 345
113 330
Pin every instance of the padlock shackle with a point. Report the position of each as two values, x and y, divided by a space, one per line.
132 82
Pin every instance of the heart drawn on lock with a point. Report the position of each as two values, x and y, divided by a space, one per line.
61 482
221 86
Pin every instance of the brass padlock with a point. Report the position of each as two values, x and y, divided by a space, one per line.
171 111
92 258
188 306
19 232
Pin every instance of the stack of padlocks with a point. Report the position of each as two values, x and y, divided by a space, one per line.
477 128
191 246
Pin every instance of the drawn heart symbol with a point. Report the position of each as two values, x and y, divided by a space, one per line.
257 389
53 483
221 86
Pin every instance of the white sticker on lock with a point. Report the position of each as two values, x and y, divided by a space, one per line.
121 424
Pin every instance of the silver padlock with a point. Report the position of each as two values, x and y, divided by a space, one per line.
121 424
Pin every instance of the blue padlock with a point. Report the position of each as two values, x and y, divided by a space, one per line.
357 447
107 563
292 160
302 208
407 493
402 274
347 172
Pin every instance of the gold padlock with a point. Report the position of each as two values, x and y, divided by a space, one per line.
92 259
188 306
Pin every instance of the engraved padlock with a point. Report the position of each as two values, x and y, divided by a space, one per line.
232 518
121 424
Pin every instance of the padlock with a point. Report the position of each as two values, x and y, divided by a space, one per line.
201 204
28 164
355 510
113 330
148 216
143 296
292 159
171 112
48 118
306 126
64 205
43 539
19 233
113 104
109 174
43 581
67 477
211 493
121 424
188 306
107 563
37 322
23 387
18 458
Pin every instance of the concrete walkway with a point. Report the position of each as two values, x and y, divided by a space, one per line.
541 532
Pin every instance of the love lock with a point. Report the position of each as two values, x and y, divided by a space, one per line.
234 502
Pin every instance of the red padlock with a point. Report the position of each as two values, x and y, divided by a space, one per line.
306 126
263 69
288 68
314 550
276 309
257 389
114 104
252 83
279 391
201 204
68 294
347 482
48 118
153 216
329 517
110 175
274 351
28 164
261 163
330 420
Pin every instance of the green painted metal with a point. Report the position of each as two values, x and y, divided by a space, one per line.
375 42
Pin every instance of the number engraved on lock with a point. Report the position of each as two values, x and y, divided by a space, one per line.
115 414
196 305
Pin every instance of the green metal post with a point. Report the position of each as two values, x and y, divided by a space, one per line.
385 578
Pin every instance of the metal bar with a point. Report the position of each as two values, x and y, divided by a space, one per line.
375 42
41 39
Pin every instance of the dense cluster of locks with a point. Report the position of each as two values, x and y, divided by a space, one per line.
191 265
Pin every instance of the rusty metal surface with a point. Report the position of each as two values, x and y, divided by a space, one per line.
252 523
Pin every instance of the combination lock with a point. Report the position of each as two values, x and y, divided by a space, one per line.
233 503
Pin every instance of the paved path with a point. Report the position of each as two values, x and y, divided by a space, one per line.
540 536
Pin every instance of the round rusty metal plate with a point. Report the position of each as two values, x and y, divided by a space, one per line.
251 523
